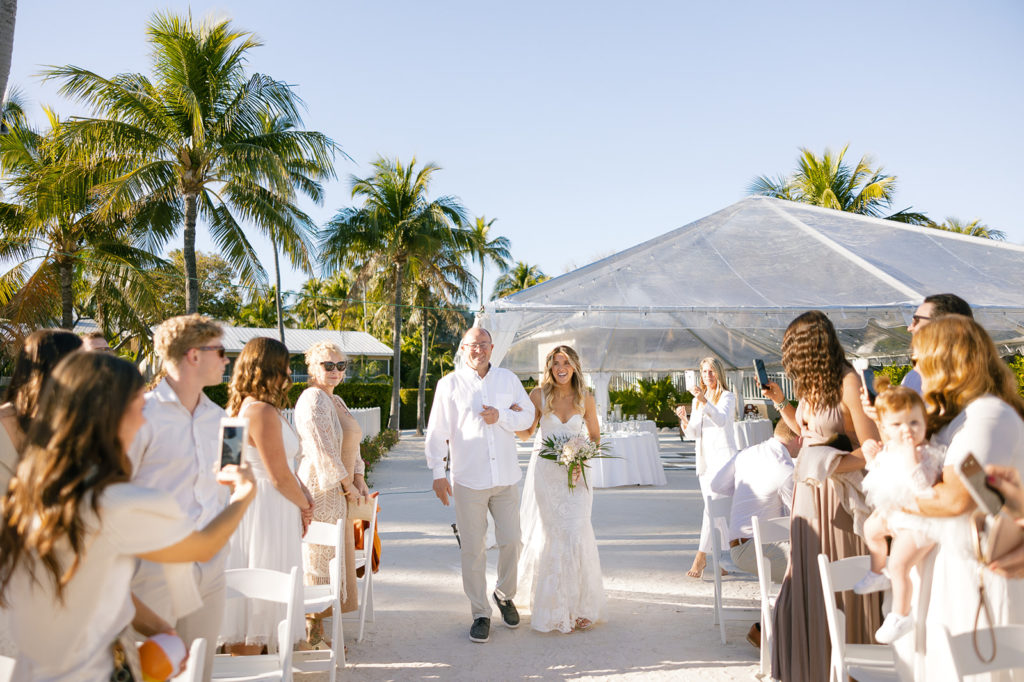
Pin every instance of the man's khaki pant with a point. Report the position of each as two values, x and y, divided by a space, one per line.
471 508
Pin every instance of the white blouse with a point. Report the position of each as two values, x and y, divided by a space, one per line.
711 425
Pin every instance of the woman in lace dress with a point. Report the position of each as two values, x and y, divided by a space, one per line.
331 468
270 535
559 567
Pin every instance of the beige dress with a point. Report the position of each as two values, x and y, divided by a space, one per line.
820 524
8 467
330 451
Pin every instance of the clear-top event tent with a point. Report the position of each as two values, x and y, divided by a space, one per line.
731 282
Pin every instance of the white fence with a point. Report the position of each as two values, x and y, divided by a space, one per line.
368 418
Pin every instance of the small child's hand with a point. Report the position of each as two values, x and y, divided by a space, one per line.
870 448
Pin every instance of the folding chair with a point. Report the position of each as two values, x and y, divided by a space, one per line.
365 512
862 662
6 668
1009 653
196 658
317 598
720 508
274 586
769 530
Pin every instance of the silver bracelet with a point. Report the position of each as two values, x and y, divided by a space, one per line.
780 405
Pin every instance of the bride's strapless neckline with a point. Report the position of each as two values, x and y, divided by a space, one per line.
559 419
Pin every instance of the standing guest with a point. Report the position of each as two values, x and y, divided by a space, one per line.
711 426
973 408
74 524
332 469
271 534
477 410
178 451
95 341
39 354
832 423
933 307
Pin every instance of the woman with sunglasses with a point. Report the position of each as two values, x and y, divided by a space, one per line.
331 468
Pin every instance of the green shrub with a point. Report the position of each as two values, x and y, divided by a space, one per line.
409 396
655 398
217 393
894 372
354 395
1017 367
373 449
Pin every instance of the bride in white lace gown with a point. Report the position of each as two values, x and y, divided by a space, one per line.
559 566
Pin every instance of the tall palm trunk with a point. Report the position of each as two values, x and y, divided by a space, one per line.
277 293
189 255
421 402
481 283
396 345
8 13
66 267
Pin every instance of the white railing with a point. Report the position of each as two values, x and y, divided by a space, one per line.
368 418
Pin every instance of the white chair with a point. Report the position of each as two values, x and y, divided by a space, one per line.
1009 654
273 586
862 662
365 512
720 508
317 598
6 668
769 530
196 658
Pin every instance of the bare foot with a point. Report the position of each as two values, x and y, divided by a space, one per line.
697 570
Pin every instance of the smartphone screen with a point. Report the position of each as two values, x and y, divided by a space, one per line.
867 376
762 375
233 434
989 499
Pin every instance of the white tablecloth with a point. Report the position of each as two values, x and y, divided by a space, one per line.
634 461
751 432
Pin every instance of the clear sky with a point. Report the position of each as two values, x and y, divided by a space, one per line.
587 127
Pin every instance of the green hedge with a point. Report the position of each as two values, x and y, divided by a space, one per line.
354 395
409 396
373 449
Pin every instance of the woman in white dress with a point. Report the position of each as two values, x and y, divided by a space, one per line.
271 533
974 408
711 425
559 566
74 525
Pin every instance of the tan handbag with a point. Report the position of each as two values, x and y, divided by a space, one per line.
991 537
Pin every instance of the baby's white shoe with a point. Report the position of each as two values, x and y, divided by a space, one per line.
893 627
872 582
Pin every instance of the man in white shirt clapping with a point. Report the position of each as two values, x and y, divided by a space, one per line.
476 411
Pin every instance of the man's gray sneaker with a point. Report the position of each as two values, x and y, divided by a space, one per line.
480 630
509 614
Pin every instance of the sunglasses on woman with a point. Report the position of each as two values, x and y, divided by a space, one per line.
331 366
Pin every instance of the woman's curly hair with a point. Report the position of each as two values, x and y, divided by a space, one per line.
815 360
261 373
73 451
958 363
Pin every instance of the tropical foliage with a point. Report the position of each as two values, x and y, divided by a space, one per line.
974 228
484 249
521 276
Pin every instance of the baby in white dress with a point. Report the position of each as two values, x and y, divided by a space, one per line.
904 469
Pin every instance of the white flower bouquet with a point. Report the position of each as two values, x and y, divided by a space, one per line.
572 452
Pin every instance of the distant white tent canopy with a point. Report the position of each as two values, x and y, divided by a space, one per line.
352 343
731 282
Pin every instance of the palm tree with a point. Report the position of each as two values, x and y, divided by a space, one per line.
974 228
261 310
396 230
195 138
521 276
483 249
8 14
829 182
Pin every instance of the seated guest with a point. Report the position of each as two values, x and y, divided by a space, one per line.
271 534
96 342
760 480
73 524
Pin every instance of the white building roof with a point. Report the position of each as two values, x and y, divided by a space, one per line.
298 340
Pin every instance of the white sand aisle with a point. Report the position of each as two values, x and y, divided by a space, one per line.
659 625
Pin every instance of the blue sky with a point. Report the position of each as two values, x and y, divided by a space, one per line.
587 127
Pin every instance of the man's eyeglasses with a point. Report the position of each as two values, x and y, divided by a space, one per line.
917 319
331 366
219 349
476 346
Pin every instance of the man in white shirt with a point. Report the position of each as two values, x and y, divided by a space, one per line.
760 480
476 411
932 307
177 451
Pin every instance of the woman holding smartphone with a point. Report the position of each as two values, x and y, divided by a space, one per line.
711 426
974 409
74 524
271 533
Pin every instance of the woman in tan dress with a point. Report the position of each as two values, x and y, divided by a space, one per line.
828 504
331 468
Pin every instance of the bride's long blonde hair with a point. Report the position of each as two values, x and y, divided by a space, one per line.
548 383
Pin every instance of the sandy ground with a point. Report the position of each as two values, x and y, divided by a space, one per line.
659 622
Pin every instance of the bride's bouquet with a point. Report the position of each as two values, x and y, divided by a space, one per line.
572 452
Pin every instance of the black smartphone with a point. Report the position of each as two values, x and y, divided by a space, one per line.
989 499
762 375
867 376
234 433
